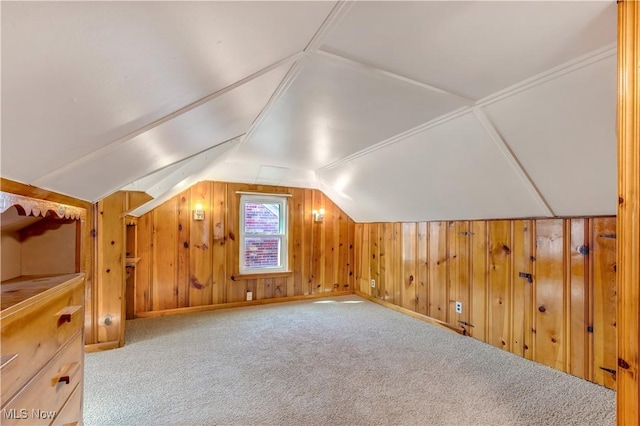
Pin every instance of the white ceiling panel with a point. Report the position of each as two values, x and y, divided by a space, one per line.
213 123
78 75
449 172
333 110
255 173
564 134
473 48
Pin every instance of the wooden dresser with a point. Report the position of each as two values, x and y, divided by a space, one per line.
42 317
42 349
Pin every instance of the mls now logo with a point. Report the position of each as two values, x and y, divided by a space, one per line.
22 414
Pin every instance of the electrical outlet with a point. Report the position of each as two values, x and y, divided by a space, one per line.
373 283
458 307
249 295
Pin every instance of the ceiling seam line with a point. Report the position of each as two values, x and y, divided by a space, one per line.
339 10
332 19
374 70
282 88
546 76
513 160
111 146
459 112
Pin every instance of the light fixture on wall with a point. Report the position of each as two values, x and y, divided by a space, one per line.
198 212
318 215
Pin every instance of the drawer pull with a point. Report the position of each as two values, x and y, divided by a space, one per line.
66 314
7 361
65 373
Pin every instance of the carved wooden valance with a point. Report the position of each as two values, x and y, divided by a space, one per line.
34 207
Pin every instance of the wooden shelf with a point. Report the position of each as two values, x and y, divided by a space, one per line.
131 261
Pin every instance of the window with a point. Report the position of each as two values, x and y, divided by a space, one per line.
263 234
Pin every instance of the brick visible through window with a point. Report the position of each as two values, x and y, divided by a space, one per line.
263 233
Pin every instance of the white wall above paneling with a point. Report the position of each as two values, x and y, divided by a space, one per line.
451 171
472 48
564 134
332 110
78 75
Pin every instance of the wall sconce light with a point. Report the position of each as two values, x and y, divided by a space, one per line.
318 215
198 212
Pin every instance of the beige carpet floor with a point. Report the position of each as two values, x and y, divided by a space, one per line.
341 361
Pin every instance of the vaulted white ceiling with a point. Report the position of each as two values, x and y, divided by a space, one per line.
399 111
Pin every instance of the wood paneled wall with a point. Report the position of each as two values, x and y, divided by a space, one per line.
542 289
185 263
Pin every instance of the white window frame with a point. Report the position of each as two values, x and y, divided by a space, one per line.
283 235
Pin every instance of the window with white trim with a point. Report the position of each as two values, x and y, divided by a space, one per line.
263 234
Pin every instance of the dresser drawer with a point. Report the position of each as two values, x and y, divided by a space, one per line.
71 413
33 334
43 398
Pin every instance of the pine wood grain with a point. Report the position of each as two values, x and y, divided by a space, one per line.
604 300
422 275
459 270
197 245
550 293
184 247
578 309
521 330
165 257
110 289
479 280
219 243
438 262
374 259
499 284
409 260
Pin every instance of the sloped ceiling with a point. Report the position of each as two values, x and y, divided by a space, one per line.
399 111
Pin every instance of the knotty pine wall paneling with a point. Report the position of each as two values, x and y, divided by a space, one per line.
604 309
459 269
550 293
197 245
579 315
499 286
438 270
165 256
542 289
479 281
374 257
110 315
522 288
187 264
218 265
409 263
422 268
317 247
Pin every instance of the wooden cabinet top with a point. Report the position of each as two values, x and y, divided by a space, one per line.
24 290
